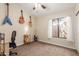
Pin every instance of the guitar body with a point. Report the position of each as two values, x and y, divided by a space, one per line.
21 20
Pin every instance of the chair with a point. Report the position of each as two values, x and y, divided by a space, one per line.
12 44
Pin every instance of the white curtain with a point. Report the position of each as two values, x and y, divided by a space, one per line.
50 29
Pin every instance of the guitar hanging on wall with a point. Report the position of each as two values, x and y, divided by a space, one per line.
7 18
21 18
30 22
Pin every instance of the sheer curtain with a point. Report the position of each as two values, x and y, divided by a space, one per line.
50 29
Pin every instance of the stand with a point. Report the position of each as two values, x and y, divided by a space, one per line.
2 44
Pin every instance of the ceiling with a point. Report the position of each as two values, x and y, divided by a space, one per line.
50 8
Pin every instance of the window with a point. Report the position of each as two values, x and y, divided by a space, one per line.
60 28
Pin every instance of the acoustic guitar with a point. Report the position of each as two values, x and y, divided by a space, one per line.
30 22
21 18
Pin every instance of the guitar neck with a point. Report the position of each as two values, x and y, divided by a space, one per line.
21 12
30 17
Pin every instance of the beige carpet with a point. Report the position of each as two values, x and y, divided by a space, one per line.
41 49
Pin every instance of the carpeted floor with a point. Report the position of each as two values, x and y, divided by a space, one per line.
42 49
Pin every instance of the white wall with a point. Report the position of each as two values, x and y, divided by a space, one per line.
42 29
76 27
14 15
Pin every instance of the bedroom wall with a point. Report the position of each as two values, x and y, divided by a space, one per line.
76 27
20 28
42 29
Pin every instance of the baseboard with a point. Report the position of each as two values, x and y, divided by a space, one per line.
57 45
25 44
